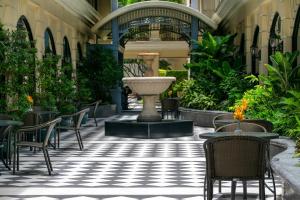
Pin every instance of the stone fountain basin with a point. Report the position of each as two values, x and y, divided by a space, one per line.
148 85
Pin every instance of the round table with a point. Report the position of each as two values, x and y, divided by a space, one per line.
264 135
10 123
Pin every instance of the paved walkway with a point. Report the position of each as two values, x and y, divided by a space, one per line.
112 168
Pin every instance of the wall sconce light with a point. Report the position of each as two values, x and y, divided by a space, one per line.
276 43
255 52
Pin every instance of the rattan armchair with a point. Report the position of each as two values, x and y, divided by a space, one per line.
235 158
95 106
5 145
227 116
20 142
244 126
75 125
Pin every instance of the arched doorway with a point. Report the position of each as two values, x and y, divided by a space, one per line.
255 53
296 35
275 41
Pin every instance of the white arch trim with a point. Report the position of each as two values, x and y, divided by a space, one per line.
155 4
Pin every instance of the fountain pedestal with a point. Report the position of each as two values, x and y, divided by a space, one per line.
149 113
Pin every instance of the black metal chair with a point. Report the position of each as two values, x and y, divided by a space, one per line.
235 158
170 106
21 142
74 125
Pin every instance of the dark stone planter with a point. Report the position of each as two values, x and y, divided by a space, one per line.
201 118
287 167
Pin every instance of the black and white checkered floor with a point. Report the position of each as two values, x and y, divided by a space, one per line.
112 168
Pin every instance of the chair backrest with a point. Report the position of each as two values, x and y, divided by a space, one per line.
29 119
79 116
244 126
96 107
222 117
48 125
231 157
170 104
267 124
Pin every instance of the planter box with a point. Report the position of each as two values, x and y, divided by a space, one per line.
201 118
104 110
287 167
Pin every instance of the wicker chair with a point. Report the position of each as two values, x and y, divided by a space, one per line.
244 126
20 142
227 116
267 124
170 106
245 160
75 125
95 108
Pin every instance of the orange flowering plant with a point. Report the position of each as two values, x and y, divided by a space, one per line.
240 110
30 99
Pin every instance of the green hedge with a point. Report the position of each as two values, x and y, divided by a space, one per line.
179 74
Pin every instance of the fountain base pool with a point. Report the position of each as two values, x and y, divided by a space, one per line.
149 130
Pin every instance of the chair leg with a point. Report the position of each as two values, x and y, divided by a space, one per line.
58 135
273 181
95 119
14 159
205 187
261 190
233 187
220 186
18 158
47 152
80 139
210 189
244 189
46 160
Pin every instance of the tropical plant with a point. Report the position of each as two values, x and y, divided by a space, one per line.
192 96
218 68
282 76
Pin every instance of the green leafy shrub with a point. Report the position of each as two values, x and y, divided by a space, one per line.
218 69
192 96
298 147
17 69
102 71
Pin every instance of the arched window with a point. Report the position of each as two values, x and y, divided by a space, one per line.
24 24
79 55
67 52
296 35
275 41
242 49
49 42
67 60
255 53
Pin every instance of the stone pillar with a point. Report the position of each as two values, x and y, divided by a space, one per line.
249 33
116 93
152 62
264 34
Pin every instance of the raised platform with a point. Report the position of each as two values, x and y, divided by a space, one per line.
149 130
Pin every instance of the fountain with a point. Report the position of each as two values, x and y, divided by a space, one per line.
149 123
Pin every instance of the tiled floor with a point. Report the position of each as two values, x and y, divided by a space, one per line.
112 168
